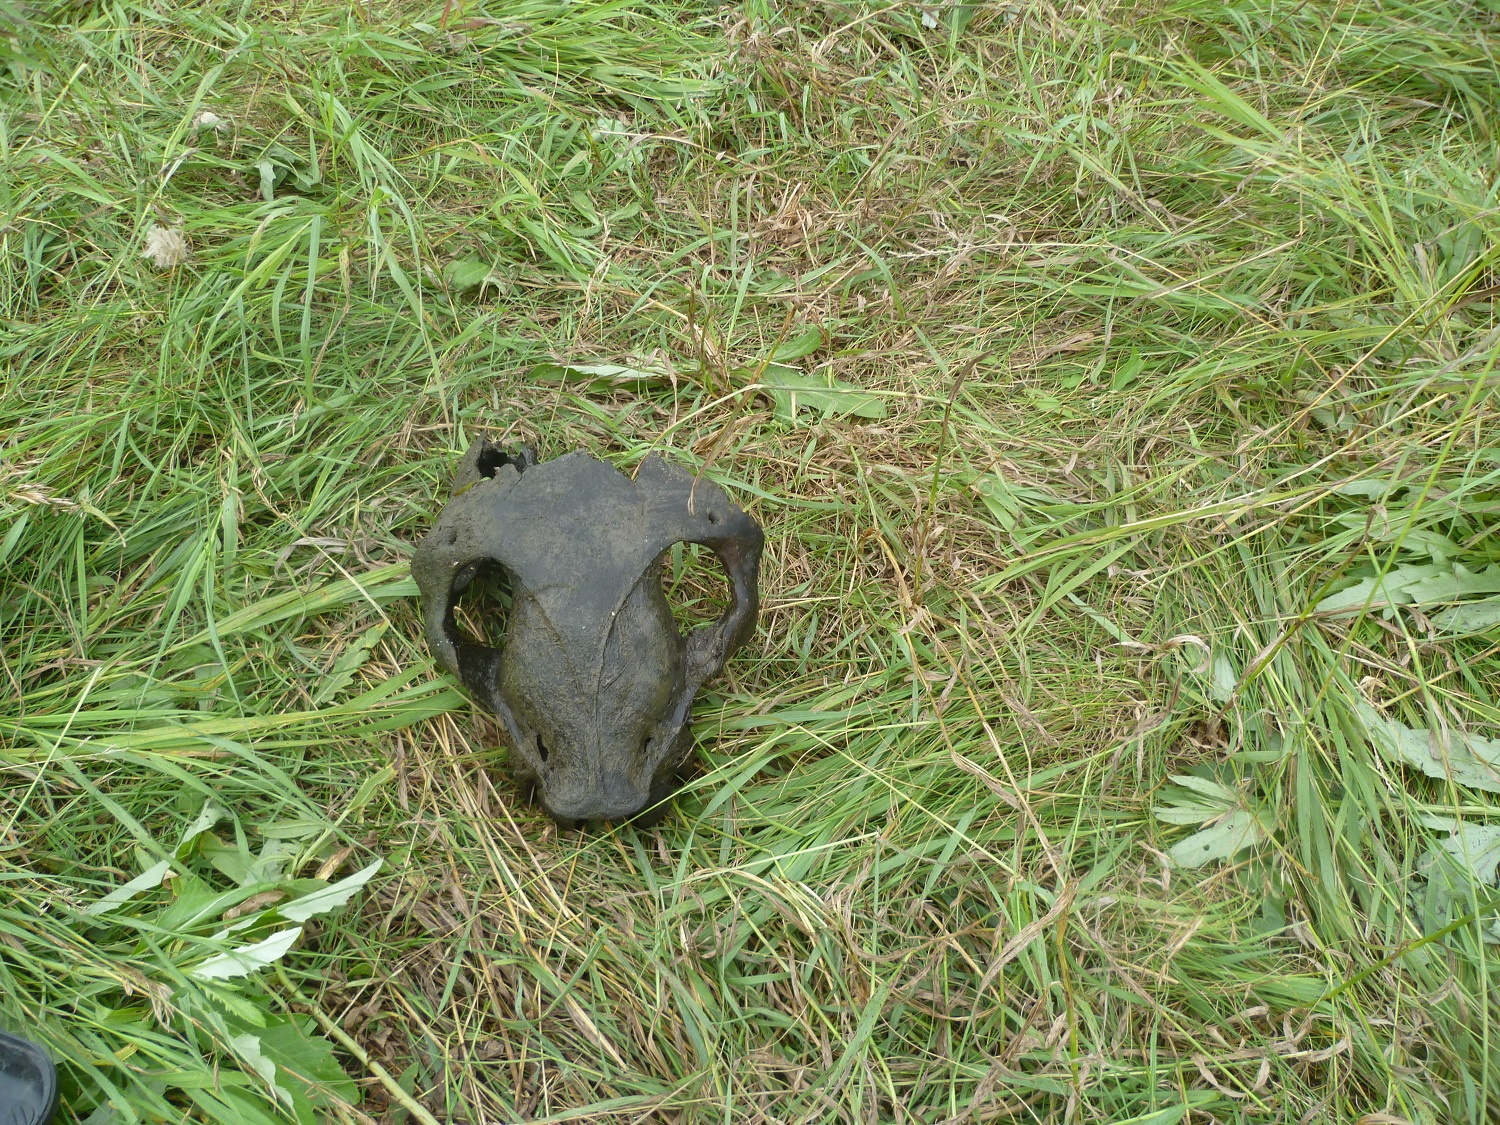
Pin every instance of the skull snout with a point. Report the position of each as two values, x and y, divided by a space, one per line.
614 796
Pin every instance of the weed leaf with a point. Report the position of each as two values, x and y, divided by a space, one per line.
1466 759
596 376
145 881
329 898
790 391
800 346
247 959
473 273
1471 617
1228 837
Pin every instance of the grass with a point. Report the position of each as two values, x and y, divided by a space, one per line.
1120 739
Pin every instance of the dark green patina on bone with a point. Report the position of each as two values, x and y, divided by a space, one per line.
594 683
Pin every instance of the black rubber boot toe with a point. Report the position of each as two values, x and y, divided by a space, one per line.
28 1083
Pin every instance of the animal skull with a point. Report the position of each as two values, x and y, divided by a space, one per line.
594 683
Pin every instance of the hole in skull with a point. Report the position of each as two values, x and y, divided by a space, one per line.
491 457
482 607
696 586
541 748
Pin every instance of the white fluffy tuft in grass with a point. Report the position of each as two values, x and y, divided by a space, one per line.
167 247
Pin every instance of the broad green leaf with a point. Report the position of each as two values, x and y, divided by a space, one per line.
1476 847
247 959
1194 800
1129 371
1458 582
227 859
1224 678
1394 526
999 498
617 135
303 828
467 273
1172 1114
198 903
236 861
1208 788
1458 869
248 1048
1467 759
307 1065
145 881
597 375
1470 617
207 818
1233 834
348 663
790 391
1369 488
1439 548
1415 585
268 179
329 898
1382 592
801 345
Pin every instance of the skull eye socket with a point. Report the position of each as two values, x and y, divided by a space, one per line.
695 584
492 457
481 609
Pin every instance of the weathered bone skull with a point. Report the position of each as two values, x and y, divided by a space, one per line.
594 682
